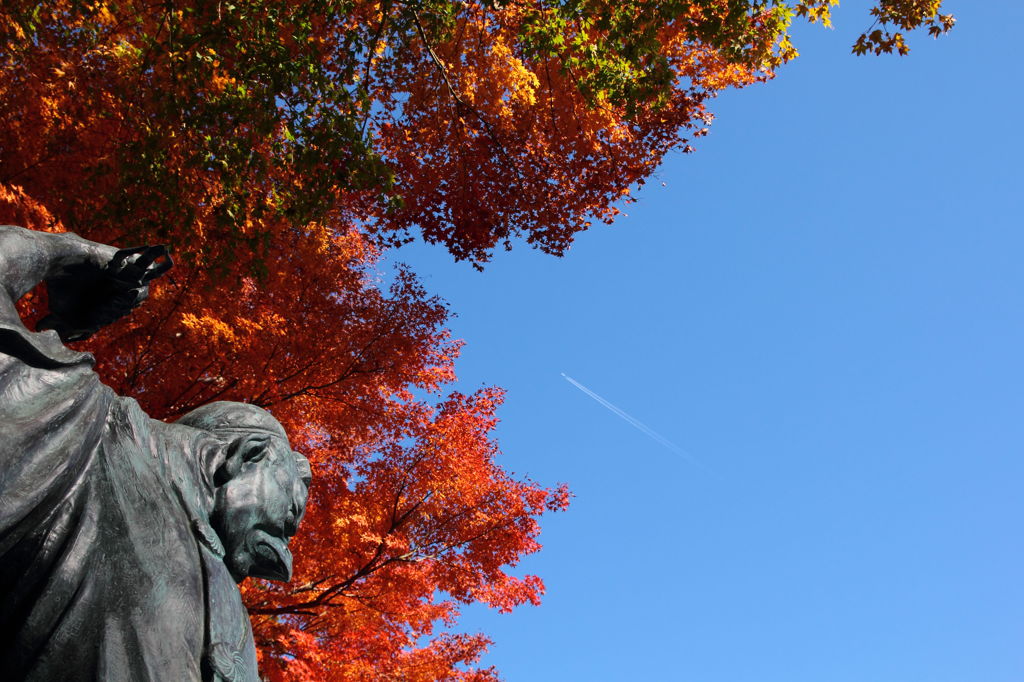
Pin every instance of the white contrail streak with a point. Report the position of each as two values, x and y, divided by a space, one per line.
636 423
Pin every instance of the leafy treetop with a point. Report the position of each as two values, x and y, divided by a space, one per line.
470 122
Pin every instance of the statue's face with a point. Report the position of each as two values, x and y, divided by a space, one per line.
258 509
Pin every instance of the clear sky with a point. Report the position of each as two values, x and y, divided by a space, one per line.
824 306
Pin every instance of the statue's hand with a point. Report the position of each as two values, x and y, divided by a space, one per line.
87 296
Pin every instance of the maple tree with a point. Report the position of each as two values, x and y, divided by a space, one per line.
282 147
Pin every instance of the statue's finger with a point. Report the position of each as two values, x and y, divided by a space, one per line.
154 267
121 257
141 294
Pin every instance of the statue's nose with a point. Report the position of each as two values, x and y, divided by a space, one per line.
272 560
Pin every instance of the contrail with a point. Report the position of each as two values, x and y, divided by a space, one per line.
636 423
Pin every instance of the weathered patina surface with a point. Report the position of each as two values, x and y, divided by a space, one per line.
123 538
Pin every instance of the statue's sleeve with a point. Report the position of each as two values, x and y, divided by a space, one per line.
36 349
26 259
52 413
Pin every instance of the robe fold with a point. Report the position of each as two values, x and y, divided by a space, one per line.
109 569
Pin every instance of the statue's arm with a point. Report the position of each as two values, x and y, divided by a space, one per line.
28 257
90 285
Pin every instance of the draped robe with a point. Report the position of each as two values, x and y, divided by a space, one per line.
109 568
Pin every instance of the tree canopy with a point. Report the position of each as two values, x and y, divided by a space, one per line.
281 148
470 122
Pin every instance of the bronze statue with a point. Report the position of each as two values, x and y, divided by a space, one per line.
122 537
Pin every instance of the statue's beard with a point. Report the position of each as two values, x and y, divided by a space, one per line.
261 555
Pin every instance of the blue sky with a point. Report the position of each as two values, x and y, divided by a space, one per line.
824 305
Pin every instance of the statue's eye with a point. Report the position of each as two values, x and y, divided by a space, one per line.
255 449
255 454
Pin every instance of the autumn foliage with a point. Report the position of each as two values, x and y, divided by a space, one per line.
282 148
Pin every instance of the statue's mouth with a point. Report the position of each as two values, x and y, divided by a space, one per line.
271 558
